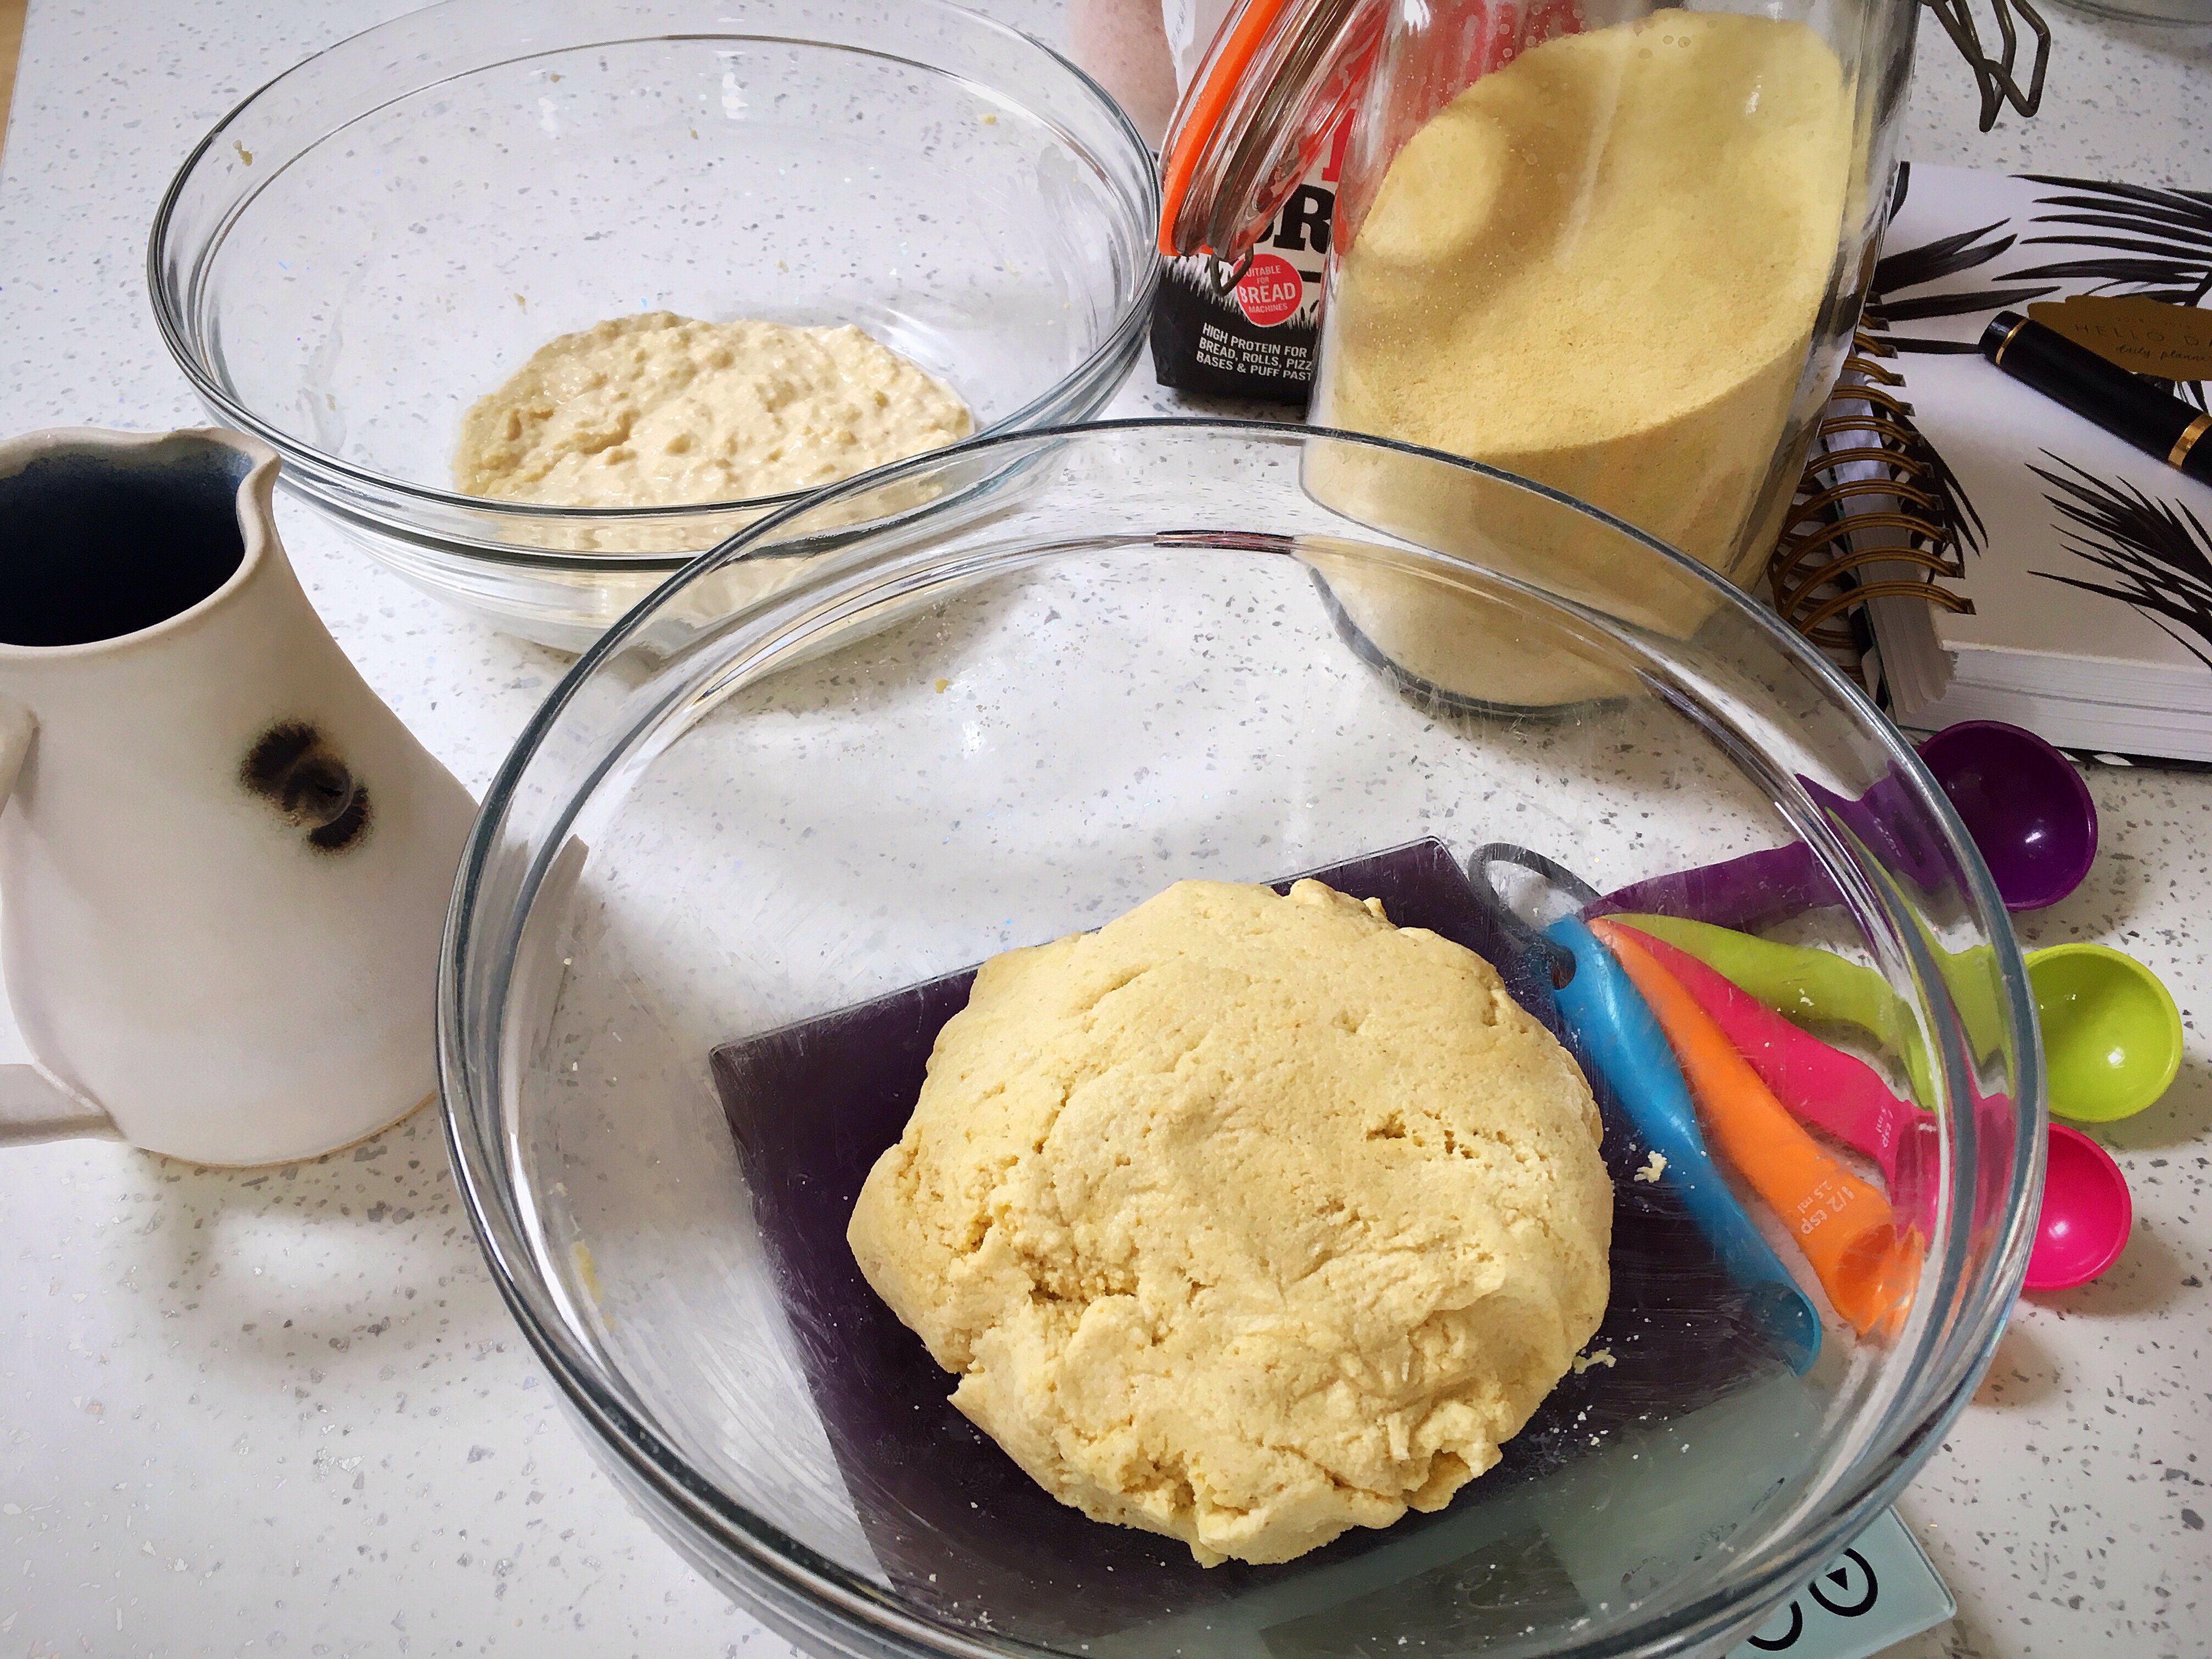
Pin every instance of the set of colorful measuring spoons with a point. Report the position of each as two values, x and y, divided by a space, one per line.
2111 1042
2112 1035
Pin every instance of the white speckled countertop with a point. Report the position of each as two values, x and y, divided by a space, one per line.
285 1413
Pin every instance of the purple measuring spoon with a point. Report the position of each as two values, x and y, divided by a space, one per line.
2027 808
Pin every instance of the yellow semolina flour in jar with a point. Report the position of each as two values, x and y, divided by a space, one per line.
1599 267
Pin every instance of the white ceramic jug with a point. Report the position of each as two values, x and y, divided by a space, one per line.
224 864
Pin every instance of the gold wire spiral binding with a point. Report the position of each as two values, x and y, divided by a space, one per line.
1812 572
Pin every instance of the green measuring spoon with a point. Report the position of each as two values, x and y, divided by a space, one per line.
2112 1035
1801 984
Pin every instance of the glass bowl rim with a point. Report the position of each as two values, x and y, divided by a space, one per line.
168 306
1875 1471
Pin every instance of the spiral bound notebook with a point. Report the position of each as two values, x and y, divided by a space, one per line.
2011 560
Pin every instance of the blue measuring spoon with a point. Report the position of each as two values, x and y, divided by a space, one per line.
1621 1037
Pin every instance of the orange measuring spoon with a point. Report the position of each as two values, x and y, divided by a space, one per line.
1845 1227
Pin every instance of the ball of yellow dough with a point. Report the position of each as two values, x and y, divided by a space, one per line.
1247 1219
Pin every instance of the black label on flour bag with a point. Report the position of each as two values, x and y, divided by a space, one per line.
1257 339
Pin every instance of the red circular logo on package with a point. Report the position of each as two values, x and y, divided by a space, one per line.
1271 290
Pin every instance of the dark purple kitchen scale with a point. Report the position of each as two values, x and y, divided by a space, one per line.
958 1527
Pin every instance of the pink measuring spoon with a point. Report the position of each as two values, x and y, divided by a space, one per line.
1824 1087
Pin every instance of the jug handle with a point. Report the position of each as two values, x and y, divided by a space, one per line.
35 1104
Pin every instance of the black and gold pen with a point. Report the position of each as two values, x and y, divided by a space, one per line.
2100 391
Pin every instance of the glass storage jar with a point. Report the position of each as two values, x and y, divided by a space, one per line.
1618 250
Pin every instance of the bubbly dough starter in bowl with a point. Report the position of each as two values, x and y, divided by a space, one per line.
662 410
1248 1219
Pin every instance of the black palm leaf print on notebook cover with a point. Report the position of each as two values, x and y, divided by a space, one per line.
1888 303
2148 241
2158 552
1891 299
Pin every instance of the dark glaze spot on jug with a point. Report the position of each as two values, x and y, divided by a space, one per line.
292 768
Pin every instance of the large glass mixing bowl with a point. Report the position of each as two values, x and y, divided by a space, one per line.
1106 658
385 233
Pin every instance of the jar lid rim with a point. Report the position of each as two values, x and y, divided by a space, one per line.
1274 83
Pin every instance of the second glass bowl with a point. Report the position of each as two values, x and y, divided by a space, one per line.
384 233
